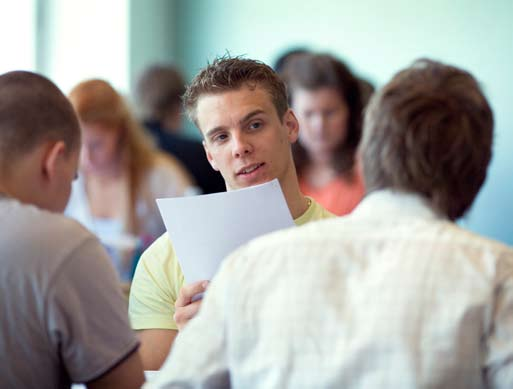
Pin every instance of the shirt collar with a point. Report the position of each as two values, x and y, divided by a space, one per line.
396 204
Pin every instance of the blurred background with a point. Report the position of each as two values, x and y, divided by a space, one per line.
70 40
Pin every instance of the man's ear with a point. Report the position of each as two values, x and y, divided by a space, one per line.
290 121
209 157
52 157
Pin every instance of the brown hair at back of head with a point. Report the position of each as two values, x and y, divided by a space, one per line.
429 131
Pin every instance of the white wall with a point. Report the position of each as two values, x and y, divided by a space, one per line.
85 39
17 35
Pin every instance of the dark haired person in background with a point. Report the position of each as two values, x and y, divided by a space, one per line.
326 98
158 94
281 62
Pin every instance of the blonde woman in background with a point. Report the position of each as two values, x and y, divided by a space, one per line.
121 174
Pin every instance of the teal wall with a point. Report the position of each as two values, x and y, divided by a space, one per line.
376 38
152 34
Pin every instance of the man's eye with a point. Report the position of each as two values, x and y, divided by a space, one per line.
255 125
219 138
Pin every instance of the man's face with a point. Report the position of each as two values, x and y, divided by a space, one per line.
100 147
244 138
323 116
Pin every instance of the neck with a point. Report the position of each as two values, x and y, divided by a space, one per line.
321 160
318 175
296 201
13 186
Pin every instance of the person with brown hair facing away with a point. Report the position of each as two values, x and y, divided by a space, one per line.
240 106
64 318
121 174
326 98
394 295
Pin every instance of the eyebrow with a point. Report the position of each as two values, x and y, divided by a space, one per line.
250 115
246 118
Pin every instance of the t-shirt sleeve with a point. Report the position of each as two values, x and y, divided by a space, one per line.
155 287
86 314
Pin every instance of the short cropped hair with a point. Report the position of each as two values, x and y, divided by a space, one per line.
33 111
232 73
313 71
429 131
158 90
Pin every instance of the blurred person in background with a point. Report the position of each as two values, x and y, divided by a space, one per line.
121 174
326 98
158 95
281 62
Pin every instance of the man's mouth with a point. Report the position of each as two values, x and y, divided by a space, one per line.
249 169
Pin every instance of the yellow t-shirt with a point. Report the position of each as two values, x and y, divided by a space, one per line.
159 278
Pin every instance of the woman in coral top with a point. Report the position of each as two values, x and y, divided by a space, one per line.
326 98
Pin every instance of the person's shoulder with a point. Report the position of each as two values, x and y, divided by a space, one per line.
158 271
320 212
167 170
160 253
42 240
163 162
40 222
464 237
314 212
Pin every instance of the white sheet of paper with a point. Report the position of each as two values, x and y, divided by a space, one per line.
205 229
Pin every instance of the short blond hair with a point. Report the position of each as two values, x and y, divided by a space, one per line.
231 73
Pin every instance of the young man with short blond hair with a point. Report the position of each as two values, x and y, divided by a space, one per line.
240 106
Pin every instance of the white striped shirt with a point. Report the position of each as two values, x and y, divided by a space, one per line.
392 296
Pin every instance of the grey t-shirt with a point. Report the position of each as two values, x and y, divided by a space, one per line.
64 318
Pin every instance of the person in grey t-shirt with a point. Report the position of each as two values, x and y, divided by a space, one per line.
64 318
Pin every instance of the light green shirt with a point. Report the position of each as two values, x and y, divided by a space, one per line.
159 278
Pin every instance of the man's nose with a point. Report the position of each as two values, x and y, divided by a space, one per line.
241 146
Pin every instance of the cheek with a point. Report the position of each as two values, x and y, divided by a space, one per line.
338 127
216 159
